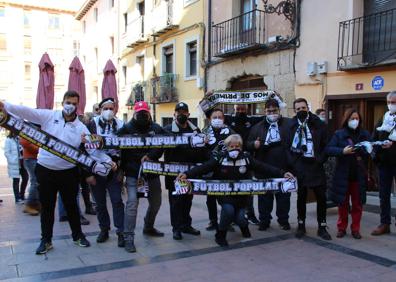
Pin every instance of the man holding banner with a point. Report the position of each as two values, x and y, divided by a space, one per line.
54 173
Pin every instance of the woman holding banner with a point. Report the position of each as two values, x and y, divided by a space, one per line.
233 164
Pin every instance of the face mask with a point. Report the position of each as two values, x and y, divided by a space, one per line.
107 115
273 118
302 115
217 123
181 119
233 154
142 120
322 119
392 108
353 123
69 109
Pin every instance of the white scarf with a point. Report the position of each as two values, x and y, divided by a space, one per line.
273 135
302 141
389 125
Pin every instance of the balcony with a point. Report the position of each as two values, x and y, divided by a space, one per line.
240 34
135 33
367 41
164 89
163 18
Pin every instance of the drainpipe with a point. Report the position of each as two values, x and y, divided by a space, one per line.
154 74
209 44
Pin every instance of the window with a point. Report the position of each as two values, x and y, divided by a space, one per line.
140 62
53 21
111 4
28 71
2 12
141 8
76 48
96 60
3 42
124 73
112 44
84 26
168 59
125 22
26 18
96 14
191 58
27 45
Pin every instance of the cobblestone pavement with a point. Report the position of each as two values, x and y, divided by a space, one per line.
272 255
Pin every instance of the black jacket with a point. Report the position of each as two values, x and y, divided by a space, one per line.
384 157
131 158
309 171
348 164
274 153
217 137
242 126
222 170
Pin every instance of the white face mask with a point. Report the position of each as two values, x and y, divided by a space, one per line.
217 123
322 119
392 108
233 154
107 114
353 123
273 118
69 109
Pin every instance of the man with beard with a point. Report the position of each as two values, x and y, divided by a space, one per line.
306 140
131 160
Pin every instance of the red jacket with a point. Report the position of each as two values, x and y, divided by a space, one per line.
30 150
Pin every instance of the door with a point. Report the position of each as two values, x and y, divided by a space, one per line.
247 21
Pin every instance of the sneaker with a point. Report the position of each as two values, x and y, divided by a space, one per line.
263 226
152 232
84 221
212 225
322 233
44 247
191 230
30 210
285 226
130 246
63 218
177 235
253 220
120 240
102 237
82 242
220 238
300 232
19 201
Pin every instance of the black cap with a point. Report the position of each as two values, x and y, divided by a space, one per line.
181 106
106 100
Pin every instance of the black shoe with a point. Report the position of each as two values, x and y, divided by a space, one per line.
356 235
44 247
322 233
63 218
130 246
263 226
82 242
120 240
221 238
300 232
253 220
177 235
191 230
285 226
212 225
90 210
152 232
102 237
246 232
84 221
230 228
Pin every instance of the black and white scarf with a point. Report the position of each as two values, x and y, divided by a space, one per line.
302 141
389 125
273 134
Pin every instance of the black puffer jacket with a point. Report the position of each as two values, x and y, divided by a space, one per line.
225 168
384 157
131 158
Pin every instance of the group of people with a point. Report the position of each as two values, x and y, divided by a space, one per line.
237 147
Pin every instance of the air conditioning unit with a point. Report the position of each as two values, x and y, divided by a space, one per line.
322 67
200 82
274 39
312 68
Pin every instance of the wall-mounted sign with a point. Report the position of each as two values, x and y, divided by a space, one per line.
378 82
359 86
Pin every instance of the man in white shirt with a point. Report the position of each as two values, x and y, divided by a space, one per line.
53 173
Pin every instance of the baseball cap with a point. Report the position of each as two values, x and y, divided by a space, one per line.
181 106
141 106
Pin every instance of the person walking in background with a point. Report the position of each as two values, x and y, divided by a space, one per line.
350 178
12 154
30 151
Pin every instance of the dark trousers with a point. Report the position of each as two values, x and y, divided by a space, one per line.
231 213
66 182
86 192
19 190
386 175
250 207
320 194
180 207
211 203
113 187
266 204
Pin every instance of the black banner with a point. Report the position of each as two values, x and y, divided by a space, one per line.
235 97
167 169
42 139
230 188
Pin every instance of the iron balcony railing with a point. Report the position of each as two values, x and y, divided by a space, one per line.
164 89
236 35
367 41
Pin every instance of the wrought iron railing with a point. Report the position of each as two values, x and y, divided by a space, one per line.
238 34
367 41
164 89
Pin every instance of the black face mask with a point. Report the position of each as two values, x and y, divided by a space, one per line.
302 115
181 119
241 116
142 121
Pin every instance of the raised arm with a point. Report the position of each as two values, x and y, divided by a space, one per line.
38 116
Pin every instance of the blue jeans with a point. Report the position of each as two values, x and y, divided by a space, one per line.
132 205
33 196
386 176
230 213
113 186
